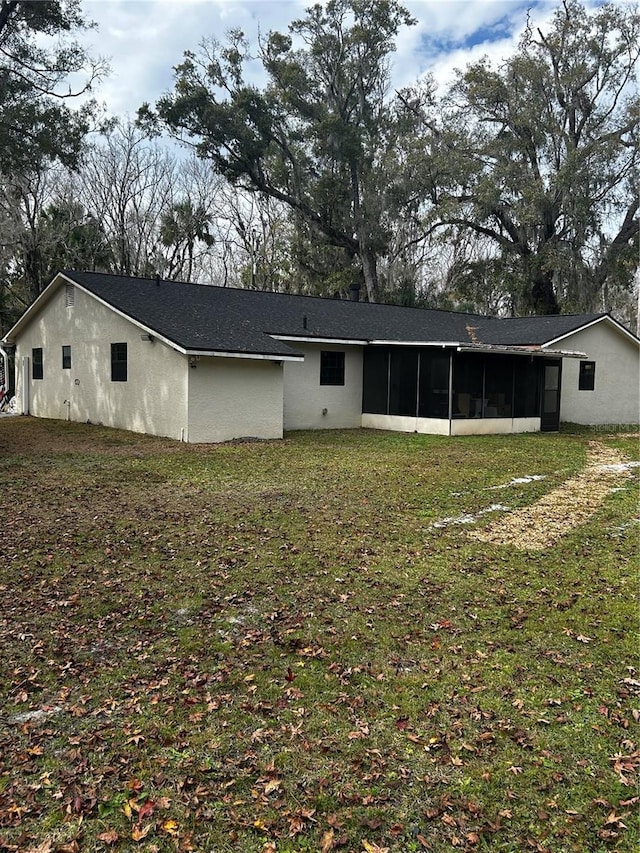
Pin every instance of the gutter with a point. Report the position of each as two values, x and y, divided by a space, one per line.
196 353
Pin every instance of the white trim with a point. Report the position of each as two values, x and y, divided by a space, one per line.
606 317
442 344
253 355
155 335
307 340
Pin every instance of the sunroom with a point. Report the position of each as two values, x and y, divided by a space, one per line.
461 390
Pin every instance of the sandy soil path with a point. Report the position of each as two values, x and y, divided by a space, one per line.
537 526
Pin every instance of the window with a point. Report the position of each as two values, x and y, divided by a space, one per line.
587 377
498 386
403 381
66 358
526 402
468 386
36 363
433 387
331 367
375 381
118 362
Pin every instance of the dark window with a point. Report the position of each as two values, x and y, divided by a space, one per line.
468 386
498 386
36 363
118 362
331 367
526 403
433 386
403 381
587 378
66 358
375 381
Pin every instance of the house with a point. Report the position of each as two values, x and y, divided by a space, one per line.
206 364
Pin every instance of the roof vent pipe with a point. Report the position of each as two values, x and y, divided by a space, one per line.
304 322
354 292
157 279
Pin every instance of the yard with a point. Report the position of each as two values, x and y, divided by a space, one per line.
350 641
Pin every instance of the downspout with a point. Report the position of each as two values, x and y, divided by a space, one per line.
26 396
450 390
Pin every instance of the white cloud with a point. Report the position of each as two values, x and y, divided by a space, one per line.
145 39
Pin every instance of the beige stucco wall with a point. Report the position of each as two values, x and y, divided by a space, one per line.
616 398
406 423
494 426
440 426
305 399
234 398
152 400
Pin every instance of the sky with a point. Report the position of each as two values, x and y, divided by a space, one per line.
145 39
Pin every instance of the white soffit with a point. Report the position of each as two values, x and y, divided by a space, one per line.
311 340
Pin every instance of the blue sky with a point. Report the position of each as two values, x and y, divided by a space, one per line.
144 39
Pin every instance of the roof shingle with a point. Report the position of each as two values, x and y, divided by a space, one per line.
200 317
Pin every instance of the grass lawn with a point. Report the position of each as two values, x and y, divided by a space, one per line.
302 646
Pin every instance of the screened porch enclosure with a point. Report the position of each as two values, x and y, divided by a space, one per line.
425 382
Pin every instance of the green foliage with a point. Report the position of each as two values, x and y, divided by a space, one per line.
315 137
73 240
181 228
37 56
540 155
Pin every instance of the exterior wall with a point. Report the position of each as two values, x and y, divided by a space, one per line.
616 397
305 399
494 426
152 400
235 398
458 426
398 423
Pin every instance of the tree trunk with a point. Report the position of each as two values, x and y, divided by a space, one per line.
542 294
369 273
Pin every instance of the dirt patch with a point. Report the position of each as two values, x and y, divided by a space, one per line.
535 527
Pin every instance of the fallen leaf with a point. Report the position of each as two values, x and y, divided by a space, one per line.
170 826
109 837
140 832
373 848
45 847
272 785
146 810
326 843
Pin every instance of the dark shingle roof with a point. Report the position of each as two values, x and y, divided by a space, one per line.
207 318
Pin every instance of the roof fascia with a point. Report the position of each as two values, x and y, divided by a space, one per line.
311 340
184 350
148 330
57 282
416 343
252 355
606 317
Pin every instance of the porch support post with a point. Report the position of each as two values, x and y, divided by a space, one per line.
450 390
